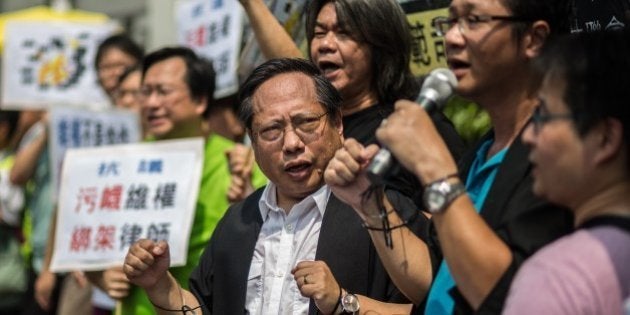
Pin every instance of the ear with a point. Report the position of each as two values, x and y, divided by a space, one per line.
200 105
535 38
608 140
339 125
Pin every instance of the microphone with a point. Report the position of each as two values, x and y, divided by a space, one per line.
435 91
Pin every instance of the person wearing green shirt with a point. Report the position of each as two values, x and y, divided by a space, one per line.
177 87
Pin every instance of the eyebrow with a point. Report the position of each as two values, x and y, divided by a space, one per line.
322 25
466 7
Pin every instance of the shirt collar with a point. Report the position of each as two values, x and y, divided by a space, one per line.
268 201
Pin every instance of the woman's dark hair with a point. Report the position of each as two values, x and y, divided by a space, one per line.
122 42
594 67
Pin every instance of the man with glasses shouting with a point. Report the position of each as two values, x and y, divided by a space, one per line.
292 240
486 220
177 87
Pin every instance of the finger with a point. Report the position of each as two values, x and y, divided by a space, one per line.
118 293
354 148
341 173
402 106
118 275
42 299
134 266
349 160
160 249
369 152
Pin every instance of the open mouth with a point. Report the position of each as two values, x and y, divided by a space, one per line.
154 119
328 67
457 64
298 170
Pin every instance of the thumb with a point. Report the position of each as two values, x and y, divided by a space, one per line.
369 152
160 249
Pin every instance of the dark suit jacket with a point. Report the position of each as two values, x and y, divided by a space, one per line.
220 279
522 220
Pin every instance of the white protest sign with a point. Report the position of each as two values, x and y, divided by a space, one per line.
50 63
113 196
213 29
290 14
80 128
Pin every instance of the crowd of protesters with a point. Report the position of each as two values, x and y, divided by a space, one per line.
534 218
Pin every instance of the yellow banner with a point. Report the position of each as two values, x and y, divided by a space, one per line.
428 50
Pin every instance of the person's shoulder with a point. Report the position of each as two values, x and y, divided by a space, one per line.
250 203
218 142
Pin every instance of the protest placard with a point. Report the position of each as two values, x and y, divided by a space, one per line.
213 29
290 14
51 63
113 196
428 50
79 128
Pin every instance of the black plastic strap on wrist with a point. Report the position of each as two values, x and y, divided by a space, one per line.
338 302
185 310
391 228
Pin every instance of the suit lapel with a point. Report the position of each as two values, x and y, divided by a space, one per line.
512 172
242 250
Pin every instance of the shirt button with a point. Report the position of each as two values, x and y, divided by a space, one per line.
289 227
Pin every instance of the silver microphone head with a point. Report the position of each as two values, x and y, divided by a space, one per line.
438 86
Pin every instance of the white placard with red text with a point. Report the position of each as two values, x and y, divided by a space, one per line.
213 29
113 196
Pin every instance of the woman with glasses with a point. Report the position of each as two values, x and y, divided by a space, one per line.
580 151
485 219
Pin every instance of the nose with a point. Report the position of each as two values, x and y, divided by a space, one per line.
327 43
292 143
454 37
150 101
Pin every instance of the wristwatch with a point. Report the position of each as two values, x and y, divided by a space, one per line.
439 195
349 303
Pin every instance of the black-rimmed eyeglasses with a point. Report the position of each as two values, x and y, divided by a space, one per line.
540 117
470 22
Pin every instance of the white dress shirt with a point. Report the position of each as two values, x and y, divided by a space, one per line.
284 240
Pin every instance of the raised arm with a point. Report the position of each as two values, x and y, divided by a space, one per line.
146 266
272 38
27 155
408 263
476 256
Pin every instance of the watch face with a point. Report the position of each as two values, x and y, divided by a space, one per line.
350 303
435 200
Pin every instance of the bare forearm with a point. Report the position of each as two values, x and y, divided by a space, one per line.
272 38
26 160
50 242
476 256
167 294
408 263
370 306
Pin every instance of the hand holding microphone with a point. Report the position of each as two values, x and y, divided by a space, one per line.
435 91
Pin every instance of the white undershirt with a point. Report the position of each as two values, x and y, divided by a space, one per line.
284 240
